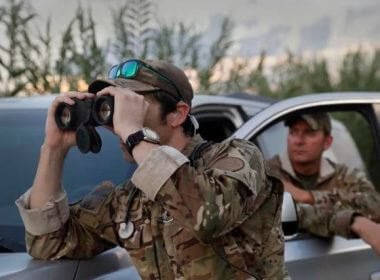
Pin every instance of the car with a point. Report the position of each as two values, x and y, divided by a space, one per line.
356 119
239 115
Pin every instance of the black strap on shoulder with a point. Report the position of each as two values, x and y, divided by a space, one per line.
196 153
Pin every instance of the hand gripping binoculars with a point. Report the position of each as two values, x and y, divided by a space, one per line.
83 117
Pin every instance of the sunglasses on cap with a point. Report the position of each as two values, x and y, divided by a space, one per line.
129 69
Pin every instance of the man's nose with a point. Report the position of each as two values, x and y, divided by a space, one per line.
299 139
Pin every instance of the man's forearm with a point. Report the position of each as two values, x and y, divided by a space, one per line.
298 194
368 230
47 182
303 196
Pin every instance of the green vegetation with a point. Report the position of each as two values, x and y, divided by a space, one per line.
30 63
34 61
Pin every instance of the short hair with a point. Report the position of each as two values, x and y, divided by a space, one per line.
168 105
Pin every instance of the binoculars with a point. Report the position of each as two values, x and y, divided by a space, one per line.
83 117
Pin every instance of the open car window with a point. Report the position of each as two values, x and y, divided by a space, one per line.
218 122
353 144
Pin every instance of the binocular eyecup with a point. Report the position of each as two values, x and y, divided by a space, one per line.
83 117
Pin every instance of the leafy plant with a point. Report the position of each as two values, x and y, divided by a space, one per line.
89 59
218 51
133 33
360 72
15 17
37 58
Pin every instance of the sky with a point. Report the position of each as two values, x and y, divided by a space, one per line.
324 28
302 26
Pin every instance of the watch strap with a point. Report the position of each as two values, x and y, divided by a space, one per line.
133 140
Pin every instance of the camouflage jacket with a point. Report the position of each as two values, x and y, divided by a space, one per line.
212 220
339 194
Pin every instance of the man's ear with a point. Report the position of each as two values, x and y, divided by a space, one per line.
177 117
328 142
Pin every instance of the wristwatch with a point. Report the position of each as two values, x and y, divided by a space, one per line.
145 134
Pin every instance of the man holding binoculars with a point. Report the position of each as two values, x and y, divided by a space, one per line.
191 210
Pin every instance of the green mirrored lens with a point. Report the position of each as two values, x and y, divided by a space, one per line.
129 69
112 72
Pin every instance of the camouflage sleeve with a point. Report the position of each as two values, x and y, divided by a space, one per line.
56 230
333 211
354 191
210 201
325 222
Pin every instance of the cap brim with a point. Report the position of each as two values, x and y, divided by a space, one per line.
133 85
291 120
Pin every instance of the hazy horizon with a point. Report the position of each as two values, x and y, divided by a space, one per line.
276 26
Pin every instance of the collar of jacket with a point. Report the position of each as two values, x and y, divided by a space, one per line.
195 140
326 171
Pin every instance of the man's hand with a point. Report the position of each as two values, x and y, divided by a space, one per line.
298 194
129 112
54 137
369 231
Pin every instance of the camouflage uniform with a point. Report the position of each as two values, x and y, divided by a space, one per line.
339 193
188 221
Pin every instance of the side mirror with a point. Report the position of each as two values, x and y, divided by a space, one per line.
289 215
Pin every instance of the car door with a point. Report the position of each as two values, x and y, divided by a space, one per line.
355 129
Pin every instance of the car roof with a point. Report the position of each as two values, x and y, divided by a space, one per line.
33 102
44 101
251 97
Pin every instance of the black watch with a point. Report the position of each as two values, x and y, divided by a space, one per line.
145 134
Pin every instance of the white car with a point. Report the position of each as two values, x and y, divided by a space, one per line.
306 256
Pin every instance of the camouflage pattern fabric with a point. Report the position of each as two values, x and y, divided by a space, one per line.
338 196
217 220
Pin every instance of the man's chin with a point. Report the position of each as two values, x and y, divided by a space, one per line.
300 160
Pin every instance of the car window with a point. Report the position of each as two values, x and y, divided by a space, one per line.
354 142
82 172
216 129
218 122
358 127
348 131
22 135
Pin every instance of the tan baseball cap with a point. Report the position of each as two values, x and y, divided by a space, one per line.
316 121
147 80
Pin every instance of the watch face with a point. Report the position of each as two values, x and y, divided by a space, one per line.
151 135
